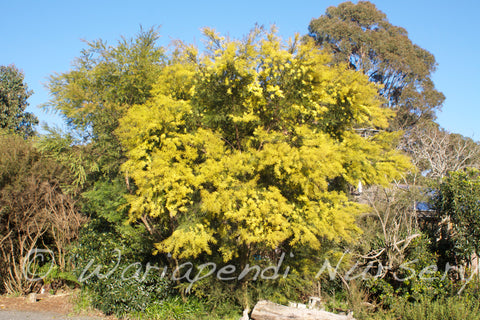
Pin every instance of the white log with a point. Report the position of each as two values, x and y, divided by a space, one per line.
266 310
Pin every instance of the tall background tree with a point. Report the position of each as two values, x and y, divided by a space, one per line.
14 94
361 36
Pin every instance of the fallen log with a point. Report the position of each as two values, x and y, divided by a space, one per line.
267 310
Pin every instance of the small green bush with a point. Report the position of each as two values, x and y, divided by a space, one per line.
118 296
173 308
190 308
452 308
111 267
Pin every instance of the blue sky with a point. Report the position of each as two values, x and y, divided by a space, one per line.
44 37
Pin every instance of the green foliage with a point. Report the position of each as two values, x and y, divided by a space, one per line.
122 254
360 35
82 301
458 199
106 200
429 279
56 275
119 296
14 94
191 308
75 157
105 82
418 276
107 79
433 309
449 305
381 291
173 309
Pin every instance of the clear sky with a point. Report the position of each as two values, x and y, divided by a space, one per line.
44 37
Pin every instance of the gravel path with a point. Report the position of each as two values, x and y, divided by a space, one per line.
30 315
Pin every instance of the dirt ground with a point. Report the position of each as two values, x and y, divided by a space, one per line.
61 304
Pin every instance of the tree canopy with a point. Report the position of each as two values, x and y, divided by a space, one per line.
362 36
105 81
238 148
14 94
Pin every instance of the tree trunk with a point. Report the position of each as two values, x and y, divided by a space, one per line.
266 310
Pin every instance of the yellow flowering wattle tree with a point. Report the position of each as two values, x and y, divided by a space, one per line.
241 149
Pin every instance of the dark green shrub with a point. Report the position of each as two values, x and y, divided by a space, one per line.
119 296
112 267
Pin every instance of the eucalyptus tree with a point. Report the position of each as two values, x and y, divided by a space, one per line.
361 36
